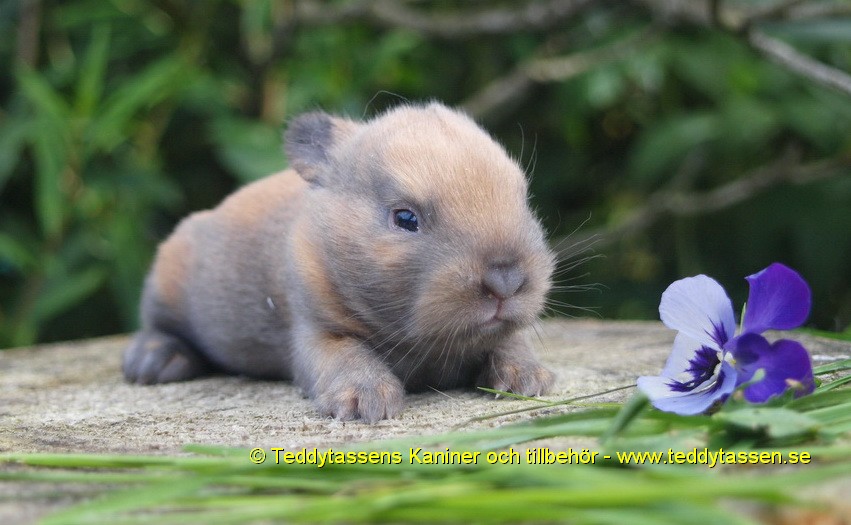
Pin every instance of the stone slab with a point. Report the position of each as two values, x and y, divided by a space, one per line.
71 397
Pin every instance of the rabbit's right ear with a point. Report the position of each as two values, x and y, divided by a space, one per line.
309 139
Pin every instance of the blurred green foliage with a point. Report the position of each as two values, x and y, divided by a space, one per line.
119 117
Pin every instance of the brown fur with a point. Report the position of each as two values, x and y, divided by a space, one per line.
306 274
171 270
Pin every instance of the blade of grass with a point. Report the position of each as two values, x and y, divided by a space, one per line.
633 408
570 401
836 366
125 500
835 384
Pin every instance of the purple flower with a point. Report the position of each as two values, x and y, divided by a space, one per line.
709 360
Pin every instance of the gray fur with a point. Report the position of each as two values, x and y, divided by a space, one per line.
314 282
307 141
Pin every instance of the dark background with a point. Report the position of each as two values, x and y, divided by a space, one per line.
663 138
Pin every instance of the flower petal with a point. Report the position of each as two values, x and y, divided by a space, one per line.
785 362
691 380
779 300
683 352
699 307
657 388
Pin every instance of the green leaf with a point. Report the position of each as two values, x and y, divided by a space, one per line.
13 136
60 295
14 253
50 159
251 150
663 147
773 423
49 141
23 333
603 86
41 94
707 63
92 71
390 52
156 83
747 121
817 122
679 439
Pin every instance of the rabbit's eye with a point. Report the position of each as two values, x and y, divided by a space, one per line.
406 219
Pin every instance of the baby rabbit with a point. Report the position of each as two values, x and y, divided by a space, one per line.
395 254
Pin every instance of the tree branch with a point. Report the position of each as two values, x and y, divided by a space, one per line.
788 57
561 68
29 28
805 11
778 10
743 23
498 95
798 10
506 90
535 15
670 202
